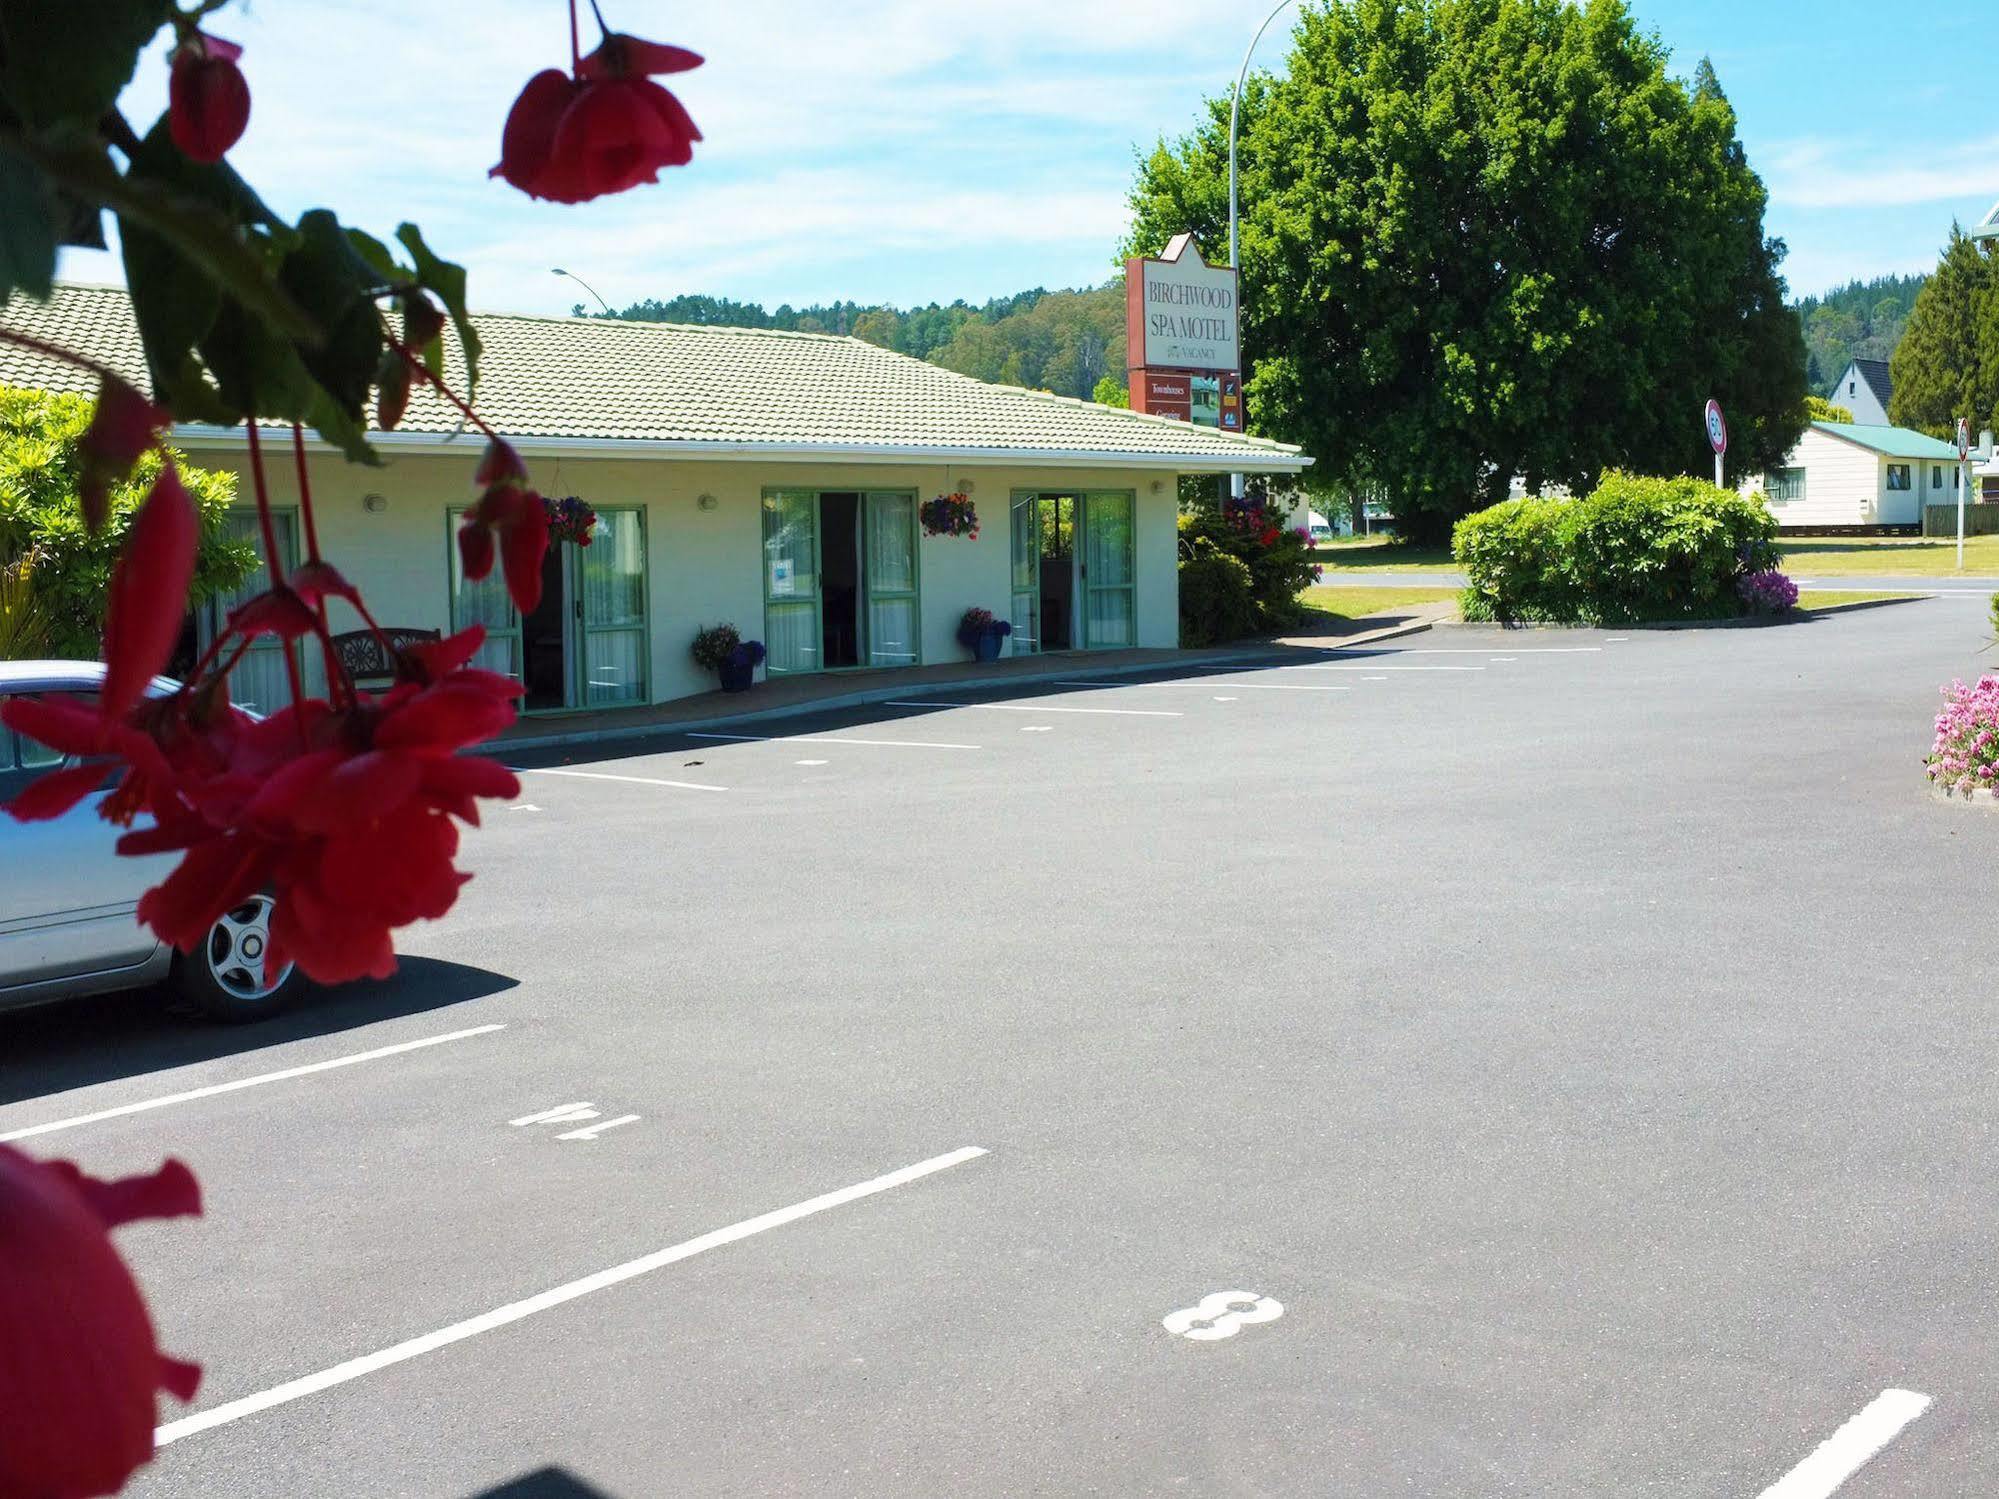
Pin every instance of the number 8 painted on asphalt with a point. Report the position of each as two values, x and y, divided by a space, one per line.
1220 1316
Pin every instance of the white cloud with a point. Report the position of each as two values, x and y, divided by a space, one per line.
1824 174
869 133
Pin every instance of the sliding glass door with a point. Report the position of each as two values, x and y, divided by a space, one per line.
791 581
1024 537
258 681
614 609
894 625
1109 574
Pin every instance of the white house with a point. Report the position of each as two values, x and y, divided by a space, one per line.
1865 390
773 481
1854 474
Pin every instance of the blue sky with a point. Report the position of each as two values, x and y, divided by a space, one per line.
910 150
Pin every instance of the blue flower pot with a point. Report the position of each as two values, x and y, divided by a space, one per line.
987 647
737 676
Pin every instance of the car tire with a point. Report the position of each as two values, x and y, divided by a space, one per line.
224 977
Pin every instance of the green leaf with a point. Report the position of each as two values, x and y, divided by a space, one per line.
256 368
175 306
71 60
378 258
326 418
448 282
195 209
337 288
28 227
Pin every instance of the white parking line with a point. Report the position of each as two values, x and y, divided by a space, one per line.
1204 686
1851 1448
1372 666
831 739
1044 708
248 1082
598 775
515 1311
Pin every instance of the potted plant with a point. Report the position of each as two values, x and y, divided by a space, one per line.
722 650
950 515
980 633
569 519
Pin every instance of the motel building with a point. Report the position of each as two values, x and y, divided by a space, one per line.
768 480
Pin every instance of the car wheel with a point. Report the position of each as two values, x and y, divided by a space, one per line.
225 977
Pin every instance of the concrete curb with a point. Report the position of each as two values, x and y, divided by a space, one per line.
626 732
1983 796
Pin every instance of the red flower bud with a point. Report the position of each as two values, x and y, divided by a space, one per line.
208 102
148 594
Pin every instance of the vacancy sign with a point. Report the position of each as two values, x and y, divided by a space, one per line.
1184 339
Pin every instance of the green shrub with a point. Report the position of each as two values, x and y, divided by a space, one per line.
1512 555
40 519
1279 557
1216 600
1635 549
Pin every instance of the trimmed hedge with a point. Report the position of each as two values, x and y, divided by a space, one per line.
1634 550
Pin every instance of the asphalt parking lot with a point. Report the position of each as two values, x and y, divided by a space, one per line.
1543 1063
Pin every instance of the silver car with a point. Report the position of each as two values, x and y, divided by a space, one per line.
67 901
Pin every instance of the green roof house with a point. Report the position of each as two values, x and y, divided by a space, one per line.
1854 474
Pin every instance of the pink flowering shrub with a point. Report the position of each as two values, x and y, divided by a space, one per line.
1767 591
1966 753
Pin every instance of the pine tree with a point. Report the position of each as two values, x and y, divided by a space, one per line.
1937 369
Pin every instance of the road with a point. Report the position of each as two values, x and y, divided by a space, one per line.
1577 1049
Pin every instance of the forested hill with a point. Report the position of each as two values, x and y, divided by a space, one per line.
1862 320
1064 341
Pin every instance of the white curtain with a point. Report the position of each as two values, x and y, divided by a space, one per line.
792 637
1025 542
791 580
1108 555
891 564
259 681
614 609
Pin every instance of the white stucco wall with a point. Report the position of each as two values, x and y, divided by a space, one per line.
1844 483
704 566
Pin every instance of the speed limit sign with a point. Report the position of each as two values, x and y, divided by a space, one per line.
1963 439
1717 429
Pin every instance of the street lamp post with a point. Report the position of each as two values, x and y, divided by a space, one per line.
1235 122
559 271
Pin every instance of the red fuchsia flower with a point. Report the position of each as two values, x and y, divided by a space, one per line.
343 813
607 128
511 518
122 427
148 596
80 1367
208 102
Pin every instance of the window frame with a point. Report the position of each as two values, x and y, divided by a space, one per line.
1908 476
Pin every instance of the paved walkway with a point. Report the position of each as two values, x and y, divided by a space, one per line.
782 696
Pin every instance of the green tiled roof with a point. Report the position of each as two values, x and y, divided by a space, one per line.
735 389
1895 442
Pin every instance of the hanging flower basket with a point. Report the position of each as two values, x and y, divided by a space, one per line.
570 520
950 515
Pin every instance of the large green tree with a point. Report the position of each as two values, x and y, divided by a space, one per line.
1488 238
1947 364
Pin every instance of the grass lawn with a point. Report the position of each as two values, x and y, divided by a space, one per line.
1362 554
1351 603
1832 598
1863 556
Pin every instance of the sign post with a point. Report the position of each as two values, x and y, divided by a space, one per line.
1717 438
1963 482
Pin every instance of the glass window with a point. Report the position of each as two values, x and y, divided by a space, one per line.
1898 476
1782 484
1936 476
